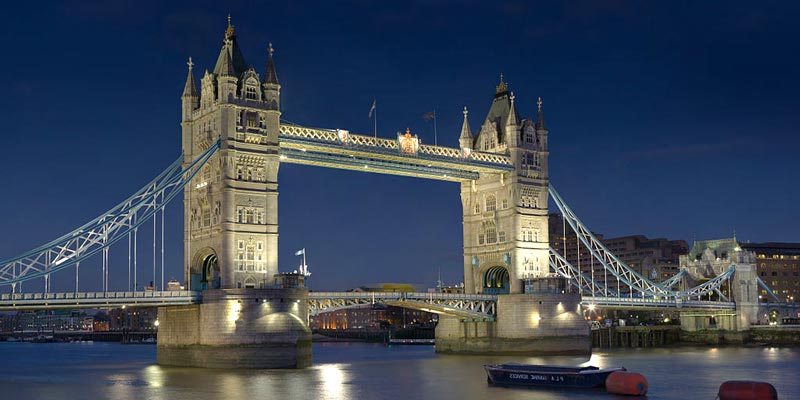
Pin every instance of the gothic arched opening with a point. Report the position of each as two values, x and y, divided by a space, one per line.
495 281
205 272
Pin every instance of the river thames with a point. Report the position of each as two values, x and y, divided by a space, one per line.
367 371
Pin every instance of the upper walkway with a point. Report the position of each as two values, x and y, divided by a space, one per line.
336 148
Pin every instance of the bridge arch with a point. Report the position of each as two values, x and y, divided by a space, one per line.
204 270
496 280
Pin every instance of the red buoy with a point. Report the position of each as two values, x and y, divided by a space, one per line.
630 383
747 390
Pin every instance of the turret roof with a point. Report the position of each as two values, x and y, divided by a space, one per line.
190 88
271 75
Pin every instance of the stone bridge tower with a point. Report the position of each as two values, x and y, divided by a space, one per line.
231 206
505 216
245 319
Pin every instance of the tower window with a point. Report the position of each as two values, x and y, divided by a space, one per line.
491 235
529 137
488 233
491 203
528 198
252 120
251 93
530 160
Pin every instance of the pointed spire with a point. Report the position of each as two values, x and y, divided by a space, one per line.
230 33
465 140
224 65
512 119
540 115
271 75
501 87
190 89
235 57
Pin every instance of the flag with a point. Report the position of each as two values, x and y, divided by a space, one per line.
372 109
300 252
429 115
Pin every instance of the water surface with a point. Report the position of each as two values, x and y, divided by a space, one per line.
367 371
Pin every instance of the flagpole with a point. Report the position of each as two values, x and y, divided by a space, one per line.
376 122
304 261
435 135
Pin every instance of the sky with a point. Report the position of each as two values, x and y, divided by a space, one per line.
669 119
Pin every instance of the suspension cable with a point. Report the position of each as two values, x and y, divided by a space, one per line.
129 261
153 283
163 210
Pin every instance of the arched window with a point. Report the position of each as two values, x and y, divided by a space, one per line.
251 93
529 135
488 232
250 283
491 203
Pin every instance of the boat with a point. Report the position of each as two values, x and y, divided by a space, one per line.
43 339
548 375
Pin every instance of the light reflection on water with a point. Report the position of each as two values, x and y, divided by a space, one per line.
365 371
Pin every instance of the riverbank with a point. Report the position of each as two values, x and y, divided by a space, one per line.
665 336
757 336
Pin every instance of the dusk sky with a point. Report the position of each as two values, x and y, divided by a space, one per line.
668 119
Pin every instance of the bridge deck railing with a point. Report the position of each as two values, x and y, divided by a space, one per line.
401 296
96 295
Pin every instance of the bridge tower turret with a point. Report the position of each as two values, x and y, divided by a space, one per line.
465 139
505 215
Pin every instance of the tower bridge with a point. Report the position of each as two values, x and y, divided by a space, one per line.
521 296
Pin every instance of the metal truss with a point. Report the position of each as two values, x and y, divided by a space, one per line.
103 231
769 291
610 262
479 306
37 301
669 283
584 283
642 288
711 285
626 303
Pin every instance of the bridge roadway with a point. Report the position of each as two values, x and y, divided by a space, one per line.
69 300
473 306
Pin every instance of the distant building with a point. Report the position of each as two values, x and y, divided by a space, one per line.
6 322
49 321
372 318
656 259
778 265
454 289
387 287
132 319
174 285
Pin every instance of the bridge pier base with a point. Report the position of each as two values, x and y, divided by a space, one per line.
237 328
527 324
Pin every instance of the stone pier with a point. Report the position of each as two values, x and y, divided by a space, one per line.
527 325
237 328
